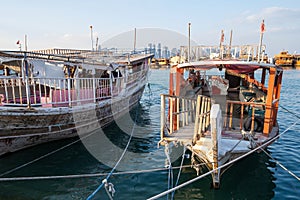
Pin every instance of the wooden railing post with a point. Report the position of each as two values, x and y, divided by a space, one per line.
197 119
216 129
69 92
162 115
171 114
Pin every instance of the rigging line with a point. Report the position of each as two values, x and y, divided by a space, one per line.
89 175
117 163
281 165
222 166
169 166
289 111
45 155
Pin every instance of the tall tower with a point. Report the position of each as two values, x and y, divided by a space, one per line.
159 50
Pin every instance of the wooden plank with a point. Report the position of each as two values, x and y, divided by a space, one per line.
183 134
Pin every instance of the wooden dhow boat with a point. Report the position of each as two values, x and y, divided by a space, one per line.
220 110
54 94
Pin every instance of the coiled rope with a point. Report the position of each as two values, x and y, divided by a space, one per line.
222 166
117 163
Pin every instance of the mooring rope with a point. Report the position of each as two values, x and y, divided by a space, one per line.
290 111
179 173
281 165
45 155
72 176
169 166
222 166
117 163
277 162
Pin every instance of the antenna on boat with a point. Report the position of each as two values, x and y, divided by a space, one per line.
134 42
25 41
91 27
230 43
189 47
97 39
262 30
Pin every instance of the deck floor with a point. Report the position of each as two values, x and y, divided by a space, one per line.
184 134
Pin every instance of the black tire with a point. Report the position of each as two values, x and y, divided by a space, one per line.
258 124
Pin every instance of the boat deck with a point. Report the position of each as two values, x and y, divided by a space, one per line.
183 135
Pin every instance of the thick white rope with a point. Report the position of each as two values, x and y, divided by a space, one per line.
89 175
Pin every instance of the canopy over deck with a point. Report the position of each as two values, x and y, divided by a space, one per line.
236 66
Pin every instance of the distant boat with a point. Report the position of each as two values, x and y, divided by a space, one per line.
297 61
49 94
220 110
284 59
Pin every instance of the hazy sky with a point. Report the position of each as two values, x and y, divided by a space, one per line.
66 24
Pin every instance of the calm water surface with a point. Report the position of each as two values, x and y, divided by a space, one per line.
256 177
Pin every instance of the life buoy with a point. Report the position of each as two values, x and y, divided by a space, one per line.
258 124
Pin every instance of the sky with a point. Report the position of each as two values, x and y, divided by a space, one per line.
66 24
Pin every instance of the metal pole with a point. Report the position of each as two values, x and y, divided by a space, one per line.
134 45
189 48
25 65
262 30
25 42
91 27
97 44
259 48
230 43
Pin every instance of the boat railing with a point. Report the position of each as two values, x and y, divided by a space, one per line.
237 111
181 113
53 92
202 120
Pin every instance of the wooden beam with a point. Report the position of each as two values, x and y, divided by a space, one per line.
277 96
269 102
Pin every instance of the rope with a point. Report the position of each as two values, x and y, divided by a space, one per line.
226 164
178 176
88 175
283 167
169 166
276 161
290 112
109 188
121 157
44 156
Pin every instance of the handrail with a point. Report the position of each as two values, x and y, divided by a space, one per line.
53 92
181 113
202 121
63 92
